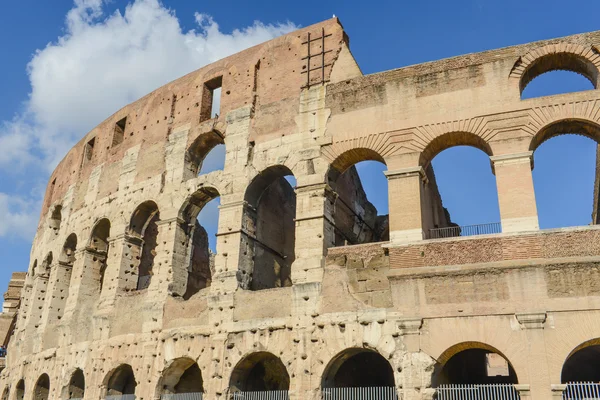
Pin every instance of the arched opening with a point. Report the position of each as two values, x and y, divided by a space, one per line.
461 197
40 290
20 390
144 240
121 381
56 218
565 176
201 215
583 364
573 63
42 388
182 376
268 231
258 372
99 246
358 368
205 154
33 269
76 387
556 82
473 364
360 209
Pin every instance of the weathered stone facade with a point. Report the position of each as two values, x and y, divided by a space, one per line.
308 283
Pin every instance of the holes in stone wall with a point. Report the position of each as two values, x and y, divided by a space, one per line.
119 132
76 387
100 246
260 371
42 388
144 226
268 241
121 381
358 368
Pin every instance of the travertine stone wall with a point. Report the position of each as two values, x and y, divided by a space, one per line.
122 291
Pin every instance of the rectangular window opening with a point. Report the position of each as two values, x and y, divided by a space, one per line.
119 133
89 149
211 99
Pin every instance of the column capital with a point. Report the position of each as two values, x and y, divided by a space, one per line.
406 173
532 320
557 390
524 391
514 158
233 204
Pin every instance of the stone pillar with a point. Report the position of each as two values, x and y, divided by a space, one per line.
533 326
58 292
177 234
86 281
123 275
404 190
40 287
516 196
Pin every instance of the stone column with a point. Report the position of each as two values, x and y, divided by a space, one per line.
405 188
177 234
123 274
86 281
516 196
58 292
533 326
40 287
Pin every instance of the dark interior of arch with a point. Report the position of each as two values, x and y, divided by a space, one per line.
359 368
45 269
201 259
562 62
55 218
20 390
77 385
184 376
144 225
268 247
122 381
68 252
582 366
260 372
99 244
198 151
475 366
42 388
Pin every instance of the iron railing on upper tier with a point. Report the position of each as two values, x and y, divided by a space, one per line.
581 391
465 230
360 393
266 395
477 392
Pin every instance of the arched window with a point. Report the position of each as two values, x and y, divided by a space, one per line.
565 164
360 210
99 246
259 372
268 241
56 218
144 231
583 364
205 154
201 216
76 387
42 388
358 372
182 376
20 390
121 381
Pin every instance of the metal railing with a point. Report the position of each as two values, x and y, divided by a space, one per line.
465 230
267 395
582 391
121 397
477 392
360 393
182 396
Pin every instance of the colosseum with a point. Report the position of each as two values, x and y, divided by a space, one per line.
311 294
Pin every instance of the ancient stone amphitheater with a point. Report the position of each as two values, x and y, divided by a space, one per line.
311 294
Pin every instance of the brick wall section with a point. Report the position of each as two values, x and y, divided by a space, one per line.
548 244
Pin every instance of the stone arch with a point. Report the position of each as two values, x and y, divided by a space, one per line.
20 390
583 363
75 389
67 256
349 158
470 358
198 150
143 231
200 259
41 390
583 127
358 367
120 381
99 245
573 57
259 371
268 231
452 139
56 218
183 375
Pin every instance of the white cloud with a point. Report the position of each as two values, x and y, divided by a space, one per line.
19 217
106 61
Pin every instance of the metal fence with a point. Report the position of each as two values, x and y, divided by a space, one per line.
582 391
268 395
477 392
360 393
465 230
121 397
182 396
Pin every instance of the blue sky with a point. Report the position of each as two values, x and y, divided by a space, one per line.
36 125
